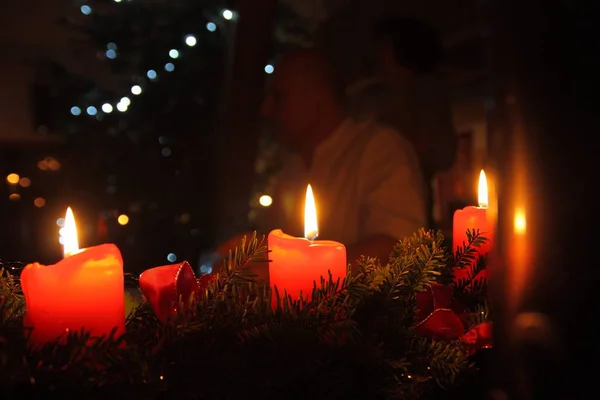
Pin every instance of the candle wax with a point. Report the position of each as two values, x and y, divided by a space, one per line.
297 263
470 218
84 290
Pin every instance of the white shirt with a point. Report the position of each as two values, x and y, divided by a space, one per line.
366 180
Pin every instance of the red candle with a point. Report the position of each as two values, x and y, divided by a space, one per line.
477 218
297 263
83 290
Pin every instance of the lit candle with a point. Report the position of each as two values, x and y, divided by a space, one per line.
85 290
297 263
477 218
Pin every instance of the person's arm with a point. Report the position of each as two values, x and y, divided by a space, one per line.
393 195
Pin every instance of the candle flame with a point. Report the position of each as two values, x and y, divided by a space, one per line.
311 229
483 191
71 243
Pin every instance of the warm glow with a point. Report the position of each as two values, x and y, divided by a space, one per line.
13 179
14 197
311 229
39 202
520 223
482 192
123 219
25 182
70 243
265 200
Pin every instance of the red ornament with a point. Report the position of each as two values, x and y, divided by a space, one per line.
165 286
437 319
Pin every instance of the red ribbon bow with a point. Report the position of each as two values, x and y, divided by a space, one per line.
165 286
439 320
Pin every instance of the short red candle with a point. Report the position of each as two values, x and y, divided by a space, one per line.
470 218
85 290
297 263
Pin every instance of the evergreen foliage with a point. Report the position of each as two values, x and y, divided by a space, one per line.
352 339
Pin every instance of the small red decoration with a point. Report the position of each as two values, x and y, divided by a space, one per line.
165 286
439 319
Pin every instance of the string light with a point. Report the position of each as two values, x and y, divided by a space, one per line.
269 69
228 14
111 53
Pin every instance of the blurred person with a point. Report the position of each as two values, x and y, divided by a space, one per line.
407 93
368 186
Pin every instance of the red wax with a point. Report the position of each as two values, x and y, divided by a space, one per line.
296 263
84 290
470 218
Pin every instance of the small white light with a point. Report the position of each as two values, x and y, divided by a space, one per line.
86 10
122 107
151 74
126 101
269 69
117 1
91 110
265 200
227 14
169 67
111 54
166 152
173 53
211 27
111 46
107 108
75 110
171 257
190 40
136 89
60 222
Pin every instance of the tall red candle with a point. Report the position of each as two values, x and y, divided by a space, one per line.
85 290
477 218
297 263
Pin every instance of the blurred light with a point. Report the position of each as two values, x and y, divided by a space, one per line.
185 218
151 74
269 69
117 1
25 182
171 257
166 152
121 107
60 222
169 67
111 189
173 53
162 140
39 202
91 110
86 10
61 240
111 46
123 219
14 197
211 27
107 108
190 40
13 178
126 101
227 14
43 165
136 90
265 200
111 54
52 163
75 110
62 231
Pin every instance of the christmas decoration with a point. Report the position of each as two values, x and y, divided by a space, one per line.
360 338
